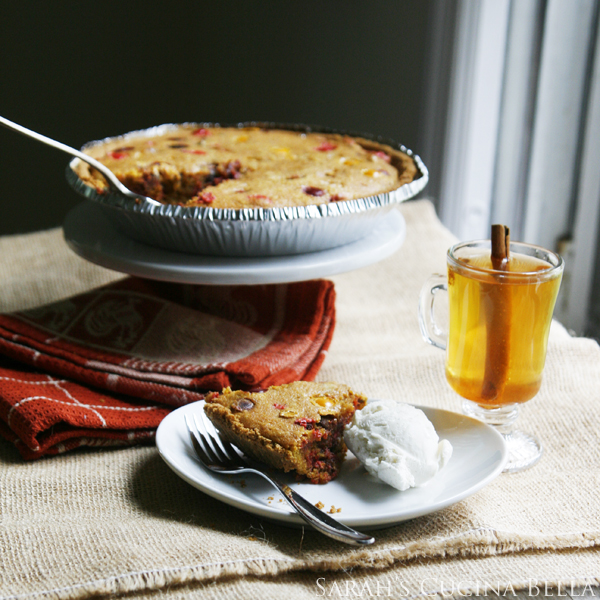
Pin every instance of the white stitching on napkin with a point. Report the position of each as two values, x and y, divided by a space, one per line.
32 382
92 407
57 383
69 395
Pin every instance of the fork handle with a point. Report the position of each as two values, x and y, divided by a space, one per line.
60 146
110 177
317 518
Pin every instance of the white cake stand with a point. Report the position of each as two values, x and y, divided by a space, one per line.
92 236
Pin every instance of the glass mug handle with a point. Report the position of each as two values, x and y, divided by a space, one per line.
430 330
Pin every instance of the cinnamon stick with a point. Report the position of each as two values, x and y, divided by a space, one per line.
500 246
497 309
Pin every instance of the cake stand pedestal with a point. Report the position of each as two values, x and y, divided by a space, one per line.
90 234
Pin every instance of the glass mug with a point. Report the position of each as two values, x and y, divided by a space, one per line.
498 326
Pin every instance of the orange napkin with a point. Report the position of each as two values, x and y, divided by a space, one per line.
109 363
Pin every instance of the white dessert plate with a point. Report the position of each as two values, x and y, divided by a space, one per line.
91 235
478 457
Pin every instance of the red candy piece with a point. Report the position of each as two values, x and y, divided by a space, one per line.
312 191
306 422
194 151
278 406
382 155
206 197
118 155
201 132
326 147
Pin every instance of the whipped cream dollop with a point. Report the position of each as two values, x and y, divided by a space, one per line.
397 443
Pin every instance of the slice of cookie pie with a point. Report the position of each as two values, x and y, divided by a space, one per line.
294 427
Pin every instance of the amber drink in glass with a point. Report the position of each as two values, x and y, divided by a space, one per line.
498 326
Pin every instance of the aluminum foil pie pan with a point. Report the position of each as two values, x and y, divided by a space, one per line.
249 231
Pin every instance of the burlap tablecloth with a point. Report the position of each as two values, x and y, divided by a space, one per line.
119 523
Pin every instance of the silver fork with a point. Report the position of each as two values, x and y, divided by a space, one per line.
110 177
220 456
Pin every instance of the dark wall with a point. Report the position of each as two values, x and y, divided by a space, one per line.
79 71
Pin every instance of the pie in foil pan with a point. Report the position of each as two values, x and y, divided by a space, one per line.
253 231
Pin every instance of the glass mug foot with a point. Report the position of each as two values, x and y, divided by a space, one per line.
524 450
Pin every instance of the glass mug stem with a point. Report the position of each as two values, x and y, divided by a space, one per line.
502 418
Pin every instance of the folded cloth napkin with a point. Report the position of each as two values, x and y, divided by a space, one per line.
42 414
163 344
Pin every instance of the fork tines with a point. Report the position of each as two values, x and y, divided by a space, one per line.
212 450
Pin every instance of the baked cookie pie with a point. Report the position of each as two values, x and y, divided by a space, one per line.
248 167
